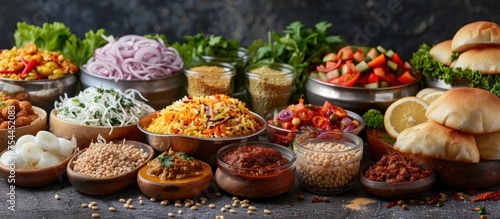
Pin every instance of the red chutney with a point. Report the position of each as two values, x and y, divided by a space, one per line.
255 157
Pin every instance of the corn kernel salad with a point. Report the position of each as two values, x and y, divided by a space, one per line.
213 116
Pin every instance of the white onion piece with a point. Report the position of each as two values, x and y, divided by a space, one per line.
134 57
15 159
66 147
23 139
31 152
47 141
48 159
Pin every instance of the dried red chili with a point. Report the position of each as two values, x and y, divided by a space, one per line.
487 196
391 204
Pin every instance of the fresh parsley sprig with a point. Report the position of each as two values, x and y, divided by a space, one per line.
167 159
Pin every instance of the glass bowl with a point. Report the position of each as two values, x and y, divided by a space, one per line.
207 81
285 137
251 169
396 191
328 162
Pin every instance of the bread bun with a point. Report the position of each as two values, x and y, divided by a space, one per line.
485 60
471 110
433 140
441 52
488 145
476 34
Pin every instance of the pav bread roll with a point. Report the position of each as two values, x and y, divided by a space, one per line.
441 52
475 35
433 140
485 60
488 145
471 110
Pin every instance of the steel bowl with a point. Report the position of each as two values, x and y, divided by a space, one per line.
201 148
159 92
438 83
357 99
44 92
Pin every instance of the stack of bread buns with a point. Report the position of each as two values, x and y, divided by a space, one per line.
463 126
478 45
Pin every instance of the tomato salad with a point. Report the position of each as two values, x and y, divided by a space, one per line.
368 67
305 116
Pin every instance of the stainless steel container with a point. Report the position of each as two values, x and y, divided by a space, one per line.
159 92
357 99
440 84
43 93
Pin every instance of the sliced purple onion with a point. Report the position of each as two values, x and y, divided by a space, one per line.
350 128
346 121
285 115
134 57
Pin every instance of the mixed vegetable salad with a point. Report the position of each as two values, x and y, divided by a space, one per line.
368 67
303 116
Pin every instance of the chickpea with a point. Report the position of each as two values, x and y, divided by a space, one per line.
51 65
58 71
44 70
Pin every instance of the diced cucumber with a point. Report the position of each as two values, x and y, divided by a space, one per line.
344 69
314 74
333 74
400 72
362 67
384 84
372 85
389 53
322 76
373 53
365 49
393 67
381 49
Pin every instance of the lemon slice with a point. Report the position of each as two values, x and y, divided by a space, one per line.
404 113
432 96
425 91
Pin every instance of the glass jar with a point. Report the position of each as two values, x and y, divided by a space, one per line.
328 162
269 86
203 79
239 64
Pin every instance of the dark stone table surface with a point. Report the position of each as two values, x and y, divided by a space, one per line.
41 203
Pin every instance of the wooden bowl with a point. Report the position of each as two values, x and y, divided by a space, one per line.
106 185
39 124
34 177
154 187
484 174
85 134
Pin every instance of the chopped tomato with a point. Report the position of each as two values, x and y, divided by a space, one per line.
390 78
377 61
334 81
358 56
364 79
330 66
287 125
339 111
373 78
304 114
346 53
349 79
321 122
406 78
397 59
379 71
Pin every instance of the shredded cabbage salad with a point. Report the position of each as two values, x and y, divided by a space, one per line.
134 57
103 107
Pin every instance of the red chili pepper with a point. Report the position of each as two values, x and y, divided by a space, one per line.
321 122
31 65
25 63
487 196
457 197
391 204
9 71
433 200
316 199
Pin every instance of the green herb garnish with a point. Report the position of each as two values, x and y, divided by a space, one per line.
184 156
297 46
166 160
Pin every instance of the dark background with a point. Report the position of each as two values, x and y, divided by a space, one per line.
397 24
